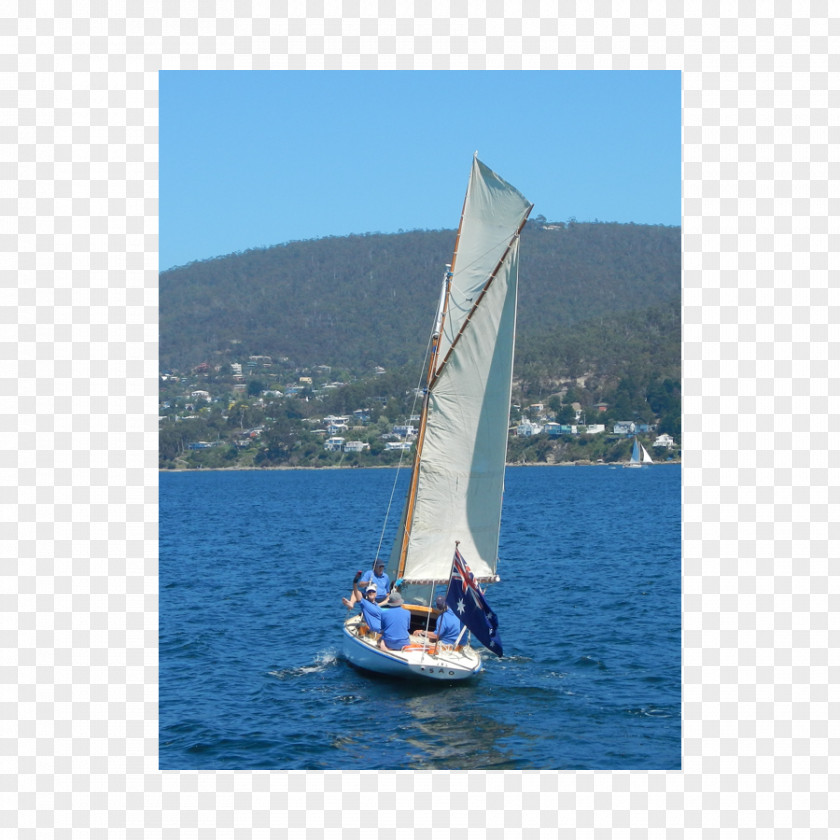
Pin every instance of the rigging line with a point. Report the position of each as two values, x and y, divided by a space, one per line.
429 613
402 451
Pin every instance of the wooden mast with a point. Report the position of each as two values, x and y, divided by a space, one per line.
431 374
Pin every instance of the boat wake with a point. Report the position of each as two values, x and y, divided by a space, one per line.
590 662
653 712
323 661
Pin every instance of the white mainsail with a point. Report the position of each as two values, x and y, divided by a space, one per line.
457 484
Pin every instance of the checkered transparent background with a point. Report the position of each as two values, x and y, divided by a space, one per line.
79 485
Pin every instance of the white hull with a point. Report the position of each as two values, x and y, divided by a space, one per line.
362 651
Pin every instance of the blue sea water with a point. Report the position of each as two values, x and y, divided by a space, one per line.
252 569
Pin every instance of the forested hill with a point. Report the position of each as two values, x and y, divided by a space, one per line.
356 302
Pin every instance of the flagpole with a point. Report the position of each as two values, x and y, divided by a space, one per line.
463 626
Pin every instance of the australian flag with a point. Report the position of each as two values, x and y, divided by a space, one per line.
466 600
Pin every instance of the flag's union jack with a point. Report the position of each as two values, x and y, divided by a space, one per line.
467 601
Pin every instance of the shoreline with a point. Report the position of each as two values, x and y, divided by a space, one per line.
395 466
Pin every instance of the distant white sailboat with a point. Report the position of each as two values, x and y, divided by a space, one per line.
640 455
455 491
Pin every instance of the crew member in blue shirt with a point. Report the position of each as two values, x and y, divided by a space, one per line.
448 626
395 624
379 576
375 575
371 612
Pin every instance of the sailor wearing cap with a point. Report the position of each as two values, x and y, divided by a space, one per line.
371 612
448 626
377 576
395 624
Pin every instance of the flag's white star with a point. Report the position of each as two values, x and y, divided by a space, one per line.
461 606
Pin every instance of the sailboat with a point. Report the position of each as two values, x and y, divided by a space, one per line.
449 528
639 456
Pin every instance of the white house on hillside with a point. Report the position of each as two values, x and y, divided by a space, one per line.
526 429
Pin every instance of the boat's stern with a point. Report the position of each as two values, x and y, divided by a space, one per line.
420 661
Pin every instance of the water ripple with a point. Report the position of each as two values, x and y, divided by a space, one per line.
251 674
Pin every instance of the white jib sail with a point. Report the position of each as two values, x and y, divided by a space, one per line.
462 462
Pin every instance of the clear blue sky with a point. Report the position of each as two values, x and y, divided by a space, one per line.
255 158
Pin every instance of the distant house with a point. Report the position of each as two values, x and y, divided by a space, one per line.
336 424
334 444
406 430
526 429
624 427
201 395
356 446
595 429
555 429
362 415
397 446
664 440
601 406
